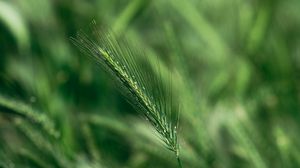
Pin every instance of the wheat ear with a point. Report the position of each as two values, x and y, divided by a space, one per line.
143 88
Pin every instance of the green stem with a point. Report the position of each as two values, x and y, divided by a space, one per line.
179 161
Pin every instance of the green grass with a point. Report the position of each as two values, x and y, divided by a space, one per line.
214 82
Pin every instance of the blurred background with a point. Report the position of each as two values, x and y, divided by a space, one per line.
236 65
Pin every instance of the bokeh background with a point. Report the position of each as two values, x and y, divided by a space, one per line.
236 65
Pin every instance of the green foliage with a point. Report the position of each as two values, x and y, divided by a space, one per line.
230 67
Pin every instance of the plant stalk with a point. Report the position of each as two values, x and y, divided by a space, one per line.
179 161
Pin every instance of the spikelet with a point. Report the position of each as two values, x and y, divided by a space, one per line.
18 108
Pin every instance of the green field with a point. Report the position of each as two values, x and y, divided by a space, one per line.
149 84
